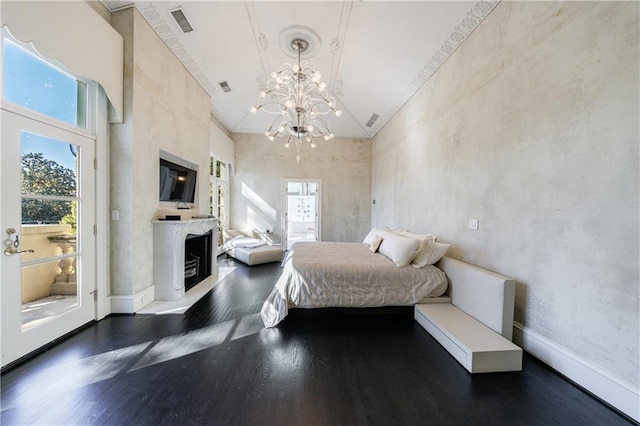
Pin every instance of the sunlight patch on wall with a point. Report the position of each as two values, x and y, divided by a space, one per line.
266 211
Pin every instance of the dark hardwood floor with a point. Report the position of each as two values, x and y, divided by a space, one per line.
218 365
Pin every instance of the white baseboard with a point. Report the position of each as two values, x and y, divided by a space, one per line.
104 309
132 304
594 379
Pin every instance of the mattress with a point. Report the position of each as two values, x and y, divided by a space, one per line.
317 275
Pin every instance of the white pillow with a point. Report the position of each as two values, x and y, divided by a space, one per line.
371 235
375 232
437 252
375 244
427 241
422 259
401 250
416 236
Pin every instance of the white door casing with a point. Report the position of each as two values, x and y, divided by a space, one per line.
18 341
310 215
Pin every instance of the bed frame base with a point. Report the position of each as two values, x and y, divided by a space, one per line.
476 326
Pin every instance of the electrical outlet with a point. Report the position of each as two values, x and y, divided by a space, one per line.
473 224
115 214
144 299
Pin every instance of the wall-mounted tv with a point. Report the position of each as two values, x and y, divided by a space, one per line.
177 183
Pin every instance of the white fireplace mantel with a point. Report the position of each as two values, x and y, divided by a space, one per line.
168 254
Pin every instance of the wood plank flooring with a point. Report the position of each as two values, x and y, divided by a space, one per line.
218 365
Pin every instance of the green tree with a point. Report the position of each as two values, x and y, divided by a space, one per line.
70 219
41 176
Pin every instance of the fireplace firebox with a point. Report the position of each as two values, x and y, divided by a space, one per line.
197 258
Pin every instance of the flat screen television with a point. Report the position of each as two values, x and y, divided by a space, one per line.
177 183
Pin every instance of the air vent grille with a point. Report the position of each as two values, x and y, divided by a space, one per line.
225 86
372 120
181 20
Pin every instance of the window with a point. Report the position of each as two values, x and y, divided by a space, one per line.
39 86
218 193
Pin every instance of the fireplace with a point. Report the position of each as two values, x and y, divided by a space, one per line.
197 258
176 242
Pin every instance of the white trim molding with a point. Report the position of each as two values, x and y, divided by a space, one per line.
59 30
594 379
132 304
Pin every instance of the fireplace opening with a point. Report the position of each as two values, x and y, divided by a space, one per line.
197 259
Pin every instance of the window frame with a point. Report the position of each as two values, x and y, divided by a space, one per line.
214 183
91 94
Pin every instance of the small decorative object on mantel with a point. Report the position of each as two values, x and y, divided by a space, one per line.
172 217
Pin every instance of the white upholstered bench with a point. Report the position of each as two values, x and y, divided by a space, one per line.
257 255
475 322
265 253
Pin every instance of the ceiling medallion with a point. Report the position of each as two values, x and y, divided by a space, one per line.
296 95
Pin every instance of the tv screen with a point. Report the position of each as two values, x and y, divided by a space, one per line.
177 183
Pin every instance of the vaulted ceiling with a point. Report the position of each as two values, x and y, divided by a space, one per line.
373 55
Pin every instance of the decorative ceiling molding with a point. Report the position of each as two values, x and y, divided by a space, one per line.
460 33
262 44
336 44
115 6
167 34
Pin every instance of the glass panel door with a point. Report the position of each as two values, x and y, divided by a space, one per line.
302 211
48 216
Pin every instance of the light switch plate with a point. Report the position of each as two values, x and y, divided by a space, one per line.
473 224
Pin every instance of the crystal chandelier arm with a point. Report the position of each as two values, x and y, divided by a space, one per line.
264 105
268 132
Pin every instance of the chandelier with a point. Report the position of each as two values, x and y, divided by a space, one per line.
300 102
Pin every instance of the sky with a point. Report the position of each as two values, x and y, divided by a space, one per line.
32 83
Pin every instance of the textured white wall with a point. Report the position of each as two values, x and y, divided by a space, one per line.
165 109
531 127
343 165
221 144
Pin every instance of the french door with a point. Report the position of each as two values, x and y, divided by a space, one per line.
47 222
302 211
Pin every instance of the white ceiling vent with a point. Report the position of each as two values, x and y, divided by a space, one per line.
225 86
372 120
181 20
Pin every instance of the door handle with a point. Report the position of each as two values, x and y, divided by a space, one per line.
10 251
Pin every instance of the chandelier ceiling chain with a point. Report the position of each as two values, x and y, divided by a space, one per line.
300 102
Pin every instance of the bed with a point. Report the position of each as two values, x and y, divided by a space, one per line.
332 274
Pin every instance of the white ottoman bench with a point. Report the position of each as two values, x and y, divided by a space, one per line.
248 247
257 255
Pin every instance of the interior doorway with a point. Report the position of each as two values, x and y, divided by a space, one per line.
302 211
